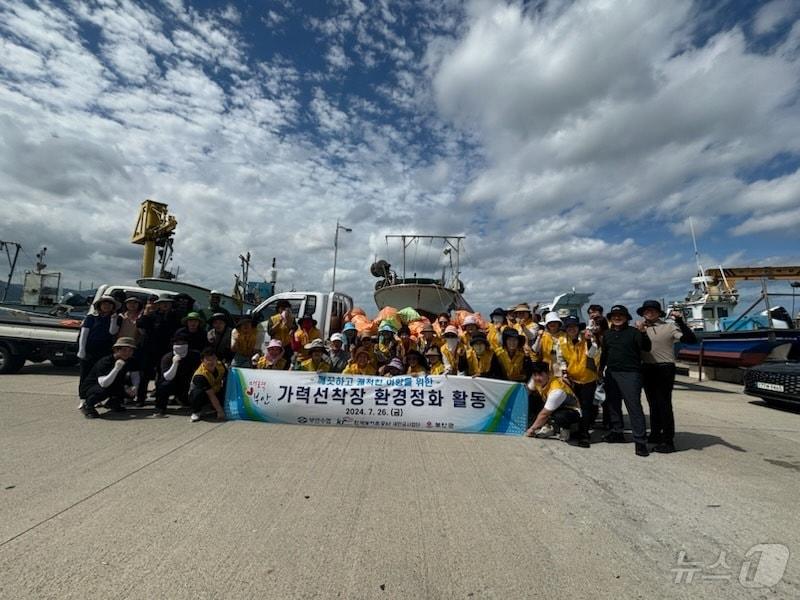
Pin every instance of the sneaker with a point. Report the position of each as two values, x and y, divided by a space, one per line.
546 431
564 434
641 449
159 414
194 418
615 437
89 412
580 442
665 448
82 404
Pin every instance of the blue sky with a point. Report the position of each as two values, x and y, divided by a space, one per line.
571 142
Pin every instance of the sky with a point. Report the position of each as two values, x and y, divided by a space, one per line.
571 142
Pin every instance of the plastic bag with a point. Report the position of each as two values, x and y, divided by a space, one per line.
362 324
599 393
416 327
348 316
408 315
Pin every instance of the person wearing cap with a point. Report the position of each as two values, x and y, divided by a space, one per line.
515 365
304 335
96 337
317 358
416 364
393 368
360 363
546 346
207 385
469 327
274 358
581 354
125 325
658 370
157 326
219 338
243 343
215 306
350 336
434 357
281 325
453 350
194 331
560 412
337 355
496 327
621 362
176 372
427 338
480 360
108 379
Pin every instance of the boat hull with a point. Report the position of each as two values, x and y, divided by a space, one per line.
200 294
740 348
429 298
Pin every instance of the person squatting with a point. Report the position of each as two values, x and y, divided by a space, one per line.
572 370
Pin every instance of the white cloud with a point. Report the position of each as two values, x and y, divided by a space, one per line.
772 14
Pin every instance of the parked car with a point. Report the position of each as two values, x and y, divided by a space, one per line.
774 382
29 336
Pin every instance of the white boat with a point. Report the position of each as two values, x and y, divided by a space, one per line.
426 295
708 303
567 304
200 294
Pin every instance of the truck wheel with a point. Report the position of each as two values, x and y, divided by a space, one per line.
10 363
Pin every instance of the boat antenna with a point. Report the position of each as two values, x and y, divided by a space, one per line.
700 270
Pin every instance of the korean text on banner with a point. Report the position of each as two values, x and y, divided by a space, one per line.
431 403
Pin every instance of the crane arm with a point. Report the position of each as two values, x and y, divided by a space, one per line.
733 274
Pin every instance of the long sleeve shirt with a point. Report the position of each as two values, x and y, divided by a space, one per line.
622 349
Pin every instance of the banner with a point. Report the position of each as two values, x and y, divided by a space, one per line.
429 403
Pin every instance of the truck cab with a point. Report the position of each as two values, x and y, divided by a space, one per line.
327 309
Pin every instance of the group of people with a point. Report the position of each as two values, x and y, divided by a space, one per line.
570 368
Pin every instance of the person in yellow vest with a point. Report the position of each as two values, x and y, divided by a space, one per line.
469 328
317 358
582 356
560 412
546 347
243 343
434 357
360 363
441 323
206 386
393 368
428 338
480 359
496 327
416 363
527 326
388 343
453 350
306 333
273 359
281 325
515 365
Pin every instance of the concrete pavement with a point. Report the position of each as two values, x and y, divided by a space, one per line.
145 508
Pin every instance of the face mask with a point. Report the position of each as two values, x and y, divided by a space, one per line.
451 343
497 320
180 350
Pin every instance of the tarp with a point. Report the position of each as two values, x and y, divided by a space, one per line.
429 403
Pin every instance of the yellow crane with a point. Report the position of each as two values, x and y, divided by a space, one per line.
154 229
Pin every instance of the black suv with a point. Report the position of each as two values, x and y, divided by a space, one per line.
774 382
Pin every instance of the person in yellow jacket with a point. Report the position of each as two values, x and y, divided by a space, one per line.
416 363
514 363
453 350
560 411
434 357
428 338
496 327
469 328
317 358
360 363
305 334
546 348
206 385
480 360
581 352
281 325
524 323
274 359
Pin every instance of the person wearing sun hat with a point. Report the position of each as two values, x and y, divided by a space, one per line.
274 358
416 364
480 359
126 320
219 337
453 350
658 370
434 357
305 334
514 363
393 368
194 331
317 358
496 327
546 345
96 336
108 379
158 327
360 363
337 355
175 375
621 362
581 354
427 338
243 343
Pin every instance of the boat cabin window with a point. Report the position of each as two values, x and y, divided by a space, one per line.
708 313
270 309
722 312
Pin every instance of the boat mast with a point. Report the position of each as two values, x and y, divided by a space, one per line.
11 262
700 270
453 241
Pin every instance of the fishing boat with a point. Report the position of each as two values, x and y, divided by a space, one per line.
568 304
429 296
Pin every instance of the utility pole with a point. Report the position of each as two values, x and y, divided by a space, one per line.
336 251
12 262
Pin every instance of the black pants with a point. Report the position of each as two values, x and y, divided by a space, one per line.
565 417
627 386
585 394
86 367
177 387
97 394
535 405
199 398
148 371
658 380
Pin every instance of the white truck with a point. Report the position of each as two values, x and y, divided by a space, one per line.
327 309
28 336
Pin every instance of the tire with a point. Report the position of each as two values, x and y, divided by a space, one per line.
10 363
